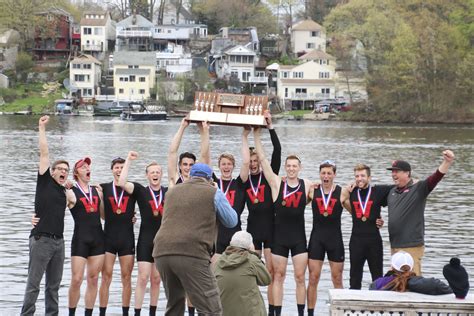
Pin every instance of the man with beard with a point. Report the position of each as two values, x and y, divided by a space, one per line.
46 238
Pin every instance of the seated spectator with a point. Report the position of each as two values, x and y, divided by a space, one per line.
239 272
401 278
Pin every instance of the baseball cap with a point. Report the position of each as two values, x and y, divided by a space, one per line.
82 161
400 259
241 239
400 165
201 170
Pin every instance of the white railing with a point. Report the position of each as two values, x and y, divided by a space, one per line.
258 79
172 33
364 302
92 47
135 33
178 68
309 96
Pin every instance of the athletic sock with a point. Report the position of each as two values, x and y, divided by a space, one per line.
310 311
102 311
72 311
277 310
190 310
152 310
125 310
88 312
300 309
138 311
271 310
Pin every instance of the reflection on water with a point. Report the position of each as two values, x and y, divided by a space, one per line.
449 224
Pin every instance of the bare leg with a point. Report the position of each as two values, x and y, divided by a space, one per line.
126 267
279 268
107 271
78 265
269 264
155 286
315 267
144 272
300 262
94 266
336 273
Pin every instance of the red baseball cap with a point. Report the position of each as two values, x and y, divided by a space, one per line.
82 161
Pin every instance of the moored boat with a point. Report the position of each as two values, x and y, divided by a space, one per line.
141 112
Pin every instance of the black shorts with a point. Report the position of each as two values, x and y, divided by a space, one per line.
123 245
145 251
266 244
93 245
284 250
331 245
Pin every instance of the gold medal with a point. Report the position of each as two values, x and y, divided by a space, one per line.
283 203
119 211
364 218
255 201
91 209
155 213
325 214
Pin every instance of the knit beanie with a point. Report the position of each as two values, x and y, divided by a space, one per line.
457 277
242 239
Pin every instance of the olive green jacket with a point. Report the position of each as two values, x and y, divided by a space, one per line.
239 272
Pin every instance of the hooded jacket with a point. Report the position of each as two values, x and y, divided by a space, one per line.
418 284
239 272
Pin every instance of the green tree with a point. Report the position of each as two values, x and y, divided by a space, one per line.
24 63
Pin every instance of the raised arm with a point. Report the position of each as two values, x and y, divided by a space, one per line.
205 148
173 153
127 186
448 159
244 169
273 179
276 154
43 145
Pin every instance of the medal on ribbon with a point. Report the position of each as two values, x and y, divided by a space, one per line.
326 200
221 186
286 194
118 201
363 205
156 202
255 189
87 196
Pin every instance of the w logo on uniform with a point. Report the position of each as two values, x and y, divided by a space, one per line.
260 193
293 200
123 204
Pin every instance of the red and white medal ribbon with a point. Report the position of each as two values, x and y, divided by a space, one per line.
285 190
155 201
221 186
88 197
118 201
363 205
326 201
255 189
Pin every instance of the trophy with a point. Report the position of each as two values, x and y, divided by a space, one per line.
229 109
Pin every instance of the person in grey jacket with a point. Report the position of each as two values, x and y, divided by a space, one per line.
239 273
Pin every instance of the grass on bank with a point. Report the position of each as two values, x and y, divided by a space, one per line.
26 95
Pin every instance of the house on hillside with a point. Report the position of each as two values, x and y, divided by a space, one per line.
134 75
97 33
174 61
170 17
9 42
307 35
85 75
134 33
301 86
53 35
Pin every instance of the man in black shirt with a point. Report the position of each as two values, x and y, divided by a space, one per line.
46 238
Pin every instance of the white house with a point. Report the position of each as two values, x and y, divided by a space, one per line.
97 32
134 75
174 60
236 60
9 42
307 35
134 33
302 85
84 75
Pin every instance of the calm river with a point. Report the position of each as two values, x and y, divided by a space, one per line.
449 213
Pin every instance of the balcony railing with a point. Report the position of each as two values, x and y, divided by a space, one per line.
258 79
135 34
308 96
92 47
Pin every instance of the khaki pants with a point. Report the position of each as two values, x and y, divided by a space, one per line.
182 274
417 253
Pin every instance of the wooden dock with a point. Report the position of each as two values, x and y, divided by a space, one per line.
363 302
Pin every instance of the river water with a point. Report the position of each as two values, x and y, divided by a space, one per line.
449 212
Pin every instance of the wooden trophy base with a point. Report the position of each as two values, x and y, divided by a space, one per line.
227 118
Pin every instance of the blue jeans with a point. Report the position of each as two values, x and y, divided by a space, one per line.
46 256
